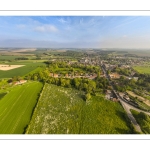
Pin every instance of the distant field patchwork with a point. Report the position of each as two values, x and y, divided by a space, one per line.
63 111
16 107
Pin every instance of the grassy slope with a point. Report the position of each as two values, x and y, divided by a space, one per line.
61 110
17 106
19 71
142 121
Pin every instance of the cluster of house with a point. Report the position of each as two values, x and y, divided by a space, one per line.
19 82
124 96
117 76
89 76
89 61
109 66
111 95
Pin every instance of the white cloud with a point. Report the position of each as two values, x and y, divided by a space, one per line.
62 20
46 28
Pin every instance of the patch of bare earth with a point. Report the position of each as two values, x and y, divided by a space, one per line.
9 67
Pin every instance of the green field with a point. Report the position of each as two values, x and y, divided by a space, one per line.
17 106
142 69
63 111
21 71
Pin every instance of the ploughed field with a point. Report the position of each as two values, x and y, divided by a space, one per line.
64 111
16 107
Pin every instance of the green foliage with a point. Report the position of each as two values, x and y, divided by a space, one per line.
143 120
16 107
123 71
87 96
63 111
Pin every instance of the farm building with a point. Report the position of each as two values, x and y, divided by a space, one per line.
55 75
114 75
20 82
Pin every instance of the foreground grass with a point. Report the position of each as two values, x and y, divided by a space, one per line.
143 120
63 111
17 106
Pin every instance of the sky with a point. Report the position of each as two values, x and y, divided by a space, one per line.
75 31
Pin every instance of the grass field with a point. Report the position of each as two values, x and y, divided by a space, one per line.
63 111
16 107
142 69
29 66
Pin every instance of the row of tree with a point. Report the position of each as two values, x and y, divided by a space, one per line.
87 85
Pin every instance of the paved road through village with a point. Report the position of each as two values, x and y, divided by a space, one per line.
126 106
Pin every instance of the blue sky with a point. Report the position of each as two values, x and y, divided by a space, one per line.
75 31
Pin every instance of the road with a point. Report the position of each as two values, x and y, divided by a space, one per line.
126 106
130 116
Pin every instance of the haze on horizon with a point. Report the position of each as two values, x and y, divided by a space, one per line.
75 31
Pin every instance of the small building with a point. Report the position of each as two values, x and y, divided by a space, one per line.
20 82
114 76
126 97
51 74
66 75
55 75
135 78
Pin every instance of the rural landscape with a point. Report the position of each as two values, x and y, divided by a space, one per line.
63 75
74 91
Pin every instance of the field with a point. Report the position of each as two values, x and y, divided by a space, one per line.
63 111
17 106
142 69
21 71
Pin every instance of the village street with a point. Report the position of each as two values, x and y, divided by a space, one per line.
126 106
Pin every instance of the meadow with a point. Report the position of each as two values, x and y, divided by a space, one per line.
22 71
16 107
64 111
142 69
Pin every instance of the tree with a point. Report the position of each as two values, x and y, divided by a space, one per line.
87 96
85 86
35 78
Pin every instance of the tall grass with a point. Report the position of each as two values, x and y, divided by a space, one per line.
63 111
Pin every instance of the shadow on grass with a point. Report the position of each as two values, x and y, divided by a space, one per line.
123 131
123 116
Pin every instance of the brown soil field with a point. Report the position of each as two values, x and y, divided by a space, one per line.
9 67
